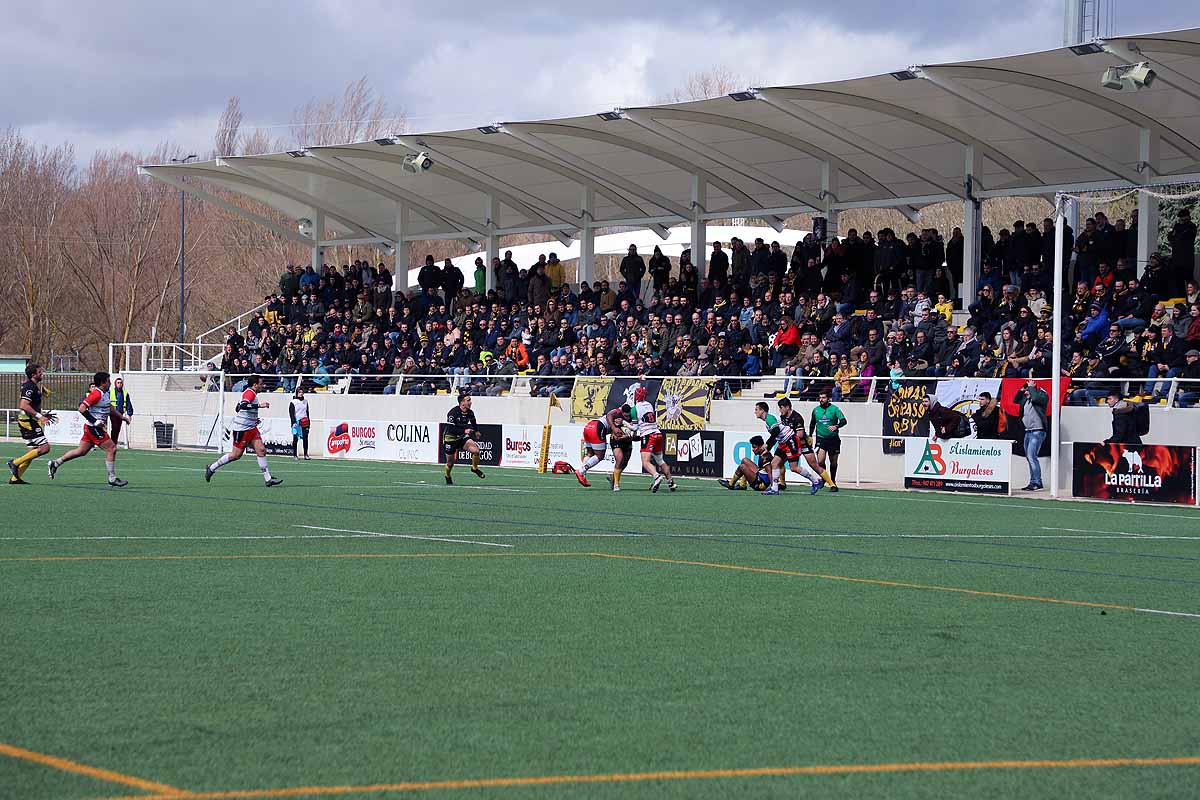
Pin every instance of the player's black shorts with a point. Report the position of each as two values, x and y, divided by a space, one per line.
453 444
830 444
32 433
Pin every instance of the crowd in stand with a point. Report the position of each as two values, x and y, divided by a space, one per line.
845 312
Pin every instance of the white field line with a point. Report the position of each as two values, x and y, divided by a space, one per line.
403 536
1167 613
1085 508
365 535
1125 534
174 538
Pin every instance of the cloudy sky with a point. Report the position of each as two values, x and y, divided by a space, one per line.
133 73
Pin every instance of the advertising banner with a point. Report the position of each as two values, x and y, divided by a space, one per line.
680 404
414 442
1150 472
350 438
276 435
522 445
736 447
490 441
958 465
566 444
903 416
66 429
700 454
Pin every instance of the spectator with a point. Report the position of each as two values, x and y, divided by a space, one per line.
660 269
1033 402
633 269
986 418
1124 419
944 422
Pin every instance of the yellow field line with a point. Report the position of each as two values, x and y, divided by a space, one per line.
160 789
288 556
873 582
675 775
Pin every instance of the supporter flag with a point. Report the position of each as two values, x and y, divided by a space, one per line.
963 394
1013 385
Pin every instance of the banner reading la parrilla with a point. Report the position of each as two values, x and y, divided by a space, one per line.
681 404
958 465
1153 473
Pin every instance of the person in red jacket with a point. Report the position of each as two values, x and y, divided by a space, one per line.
786 342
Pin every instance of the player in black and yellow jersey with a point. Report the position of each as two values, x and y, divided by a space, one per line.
752 473
461 433
30 423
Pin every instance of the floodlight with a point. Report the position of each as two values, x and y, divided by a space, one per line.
297 153
904 75
488 130
386 141
609 116
1141 74
417 163
1111 79
1086 49
742 97
304 225
1128 77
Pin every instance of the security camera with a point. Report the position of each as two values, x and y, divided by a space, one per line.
304 226
418 163
1128 77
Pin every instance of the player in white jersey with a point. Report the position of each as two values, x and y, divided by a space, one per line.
653 441
95 410
245 433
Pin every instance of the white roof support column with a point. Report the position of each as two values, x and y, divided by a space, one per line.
586 270
317 253
1060 311
972 229
493 241
699 227
830 186
1147 230
403 250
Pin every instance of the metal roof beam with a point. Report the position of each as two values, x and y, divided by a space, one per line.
1108 104
916 118
645 119
298 196
847 136
539 160
434 212
162 174
523 133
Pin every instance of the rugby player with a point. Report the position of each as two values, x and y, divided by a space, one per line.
96 409
30 423
804 447
461 432
246 434
595 440
783 438
653 441
751 473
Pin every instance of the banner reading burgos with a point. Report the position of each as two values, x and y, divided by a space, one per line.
958 465
1153 473
490 441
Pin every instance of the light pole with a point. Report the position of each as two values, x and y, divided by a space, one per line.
182 250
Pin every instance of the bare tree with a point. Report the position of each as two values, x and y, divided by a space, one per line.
229 137
706 84
357 116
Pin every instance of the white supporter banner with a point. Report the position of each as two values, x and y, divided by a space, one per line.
958 465
66 429
522 445
414 442
566 444
963 395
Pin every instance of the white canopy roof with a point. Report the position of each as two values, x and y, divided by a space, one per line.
1017 125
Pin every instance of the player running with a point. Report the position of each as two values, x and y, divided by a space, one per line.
595 440
246 434
814 470
751 473
653 441
95 409
30 423
461 433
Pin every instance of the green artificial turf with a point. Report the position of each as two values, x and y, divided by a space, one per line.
348 661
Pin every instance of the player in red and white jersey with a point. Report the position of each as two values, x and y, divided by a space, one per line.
245 433
653 441
596 436
95 410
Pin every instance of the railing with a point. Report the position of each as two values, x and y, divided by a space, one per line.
237 322
161 356
60 389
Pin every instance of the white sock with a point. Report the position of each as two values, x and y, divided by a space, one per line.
220 462
111 466
590 462
262 464
804 469
775 479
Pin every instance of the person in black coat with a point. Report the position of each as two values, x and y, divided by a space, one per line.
1124 420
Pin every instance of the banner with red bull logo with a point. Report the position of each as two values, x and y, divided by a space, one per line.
958 465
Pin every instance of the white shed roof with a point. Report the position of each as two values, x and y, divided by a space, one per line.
1017 125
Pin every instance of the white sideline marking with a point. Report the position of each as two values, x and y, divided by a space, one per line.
403 536
1126 534
427 485
173 538
1167 613
1083 507
1048 537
